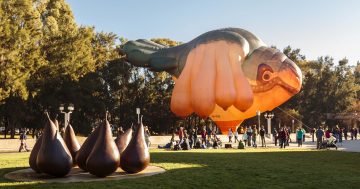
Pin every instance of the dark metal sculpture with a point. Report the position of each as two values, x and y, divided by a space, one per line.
71 142
136 156
123 139
86 148
104 159
34 154
53 157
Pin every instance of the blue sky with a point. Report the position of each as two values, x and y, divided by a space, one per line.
317 27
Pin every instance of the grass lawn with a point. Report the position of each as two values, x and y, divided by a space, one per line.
250 168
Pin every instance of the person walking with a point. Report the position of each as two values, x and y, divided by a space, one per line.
299 136
319 137
262 136
23 145
345 133
230 135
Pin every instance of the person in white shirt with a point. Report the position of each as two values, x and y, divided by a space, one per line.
230 135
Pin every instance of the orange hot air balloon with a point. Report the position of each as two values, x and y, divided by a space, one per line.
225 74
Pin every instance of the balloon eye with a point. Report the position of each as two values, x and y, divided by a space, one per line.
266 76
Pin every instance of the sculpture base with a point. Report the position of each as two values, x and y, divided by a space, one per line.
78 175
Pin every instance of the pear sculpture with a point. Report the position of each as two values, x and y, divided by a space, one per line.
136 156
104 158
34 154
53 157
71 142
86 148
123 139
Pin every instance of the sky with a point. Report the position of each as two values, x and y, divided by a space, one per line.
317 27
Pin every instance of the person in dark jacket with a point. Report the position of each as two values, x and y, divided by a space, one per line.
282 137
262 136
275 136
319 137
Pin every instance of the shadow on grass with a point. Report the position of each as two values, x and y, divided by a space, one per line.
288 169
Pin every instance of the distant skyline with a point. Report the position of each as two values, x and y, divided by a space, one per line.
318 28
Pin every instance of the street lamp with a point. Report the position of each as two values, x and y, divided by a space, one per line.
292 122
258 113
268 117
138 114
70 109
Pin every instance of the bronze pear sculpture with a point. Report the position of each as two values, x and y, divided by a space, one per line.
53 157
86 148
136 156
104 158
71 142
34 154
123 139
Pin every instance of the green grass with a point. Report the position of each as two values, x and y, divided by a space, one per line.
250 168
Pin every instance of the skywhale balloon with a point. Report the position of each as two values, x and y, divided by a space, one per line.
227 74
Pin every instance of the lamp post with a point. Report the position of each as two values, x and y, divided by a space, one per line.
70 109
138 114
268 117
292 126
258 113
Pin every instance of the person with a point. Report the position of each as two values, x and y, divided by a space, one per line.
282 138
327 134
355 132
262 136
236 136
191 138
245 136
208 132
345 133
253 137
312 132
181 133
203 136
303 137
336 133
287 136
352 133
23 145
319 137
147 136
184 144
341 131
275 136
299 136
249 135
230 135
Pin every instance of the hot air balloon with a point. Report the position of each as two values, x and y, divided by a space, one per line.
227 74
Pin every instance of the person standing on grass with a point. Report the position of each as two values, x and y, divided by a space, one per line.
287 136
23 145
303 137
352 133
254 135
312 132
181 134
245 137
203 136
355 132
299 136
319 137
262 136
282 138
249 135
275 136
236 136
230 135
345 131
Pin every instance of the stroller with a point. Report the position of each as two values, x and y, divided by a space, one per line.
331 143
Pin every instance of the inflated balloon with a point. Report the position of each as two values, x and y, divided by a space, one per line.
227 74
71 142
123 139
86 148
34 154
53 157
136 156
104 158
